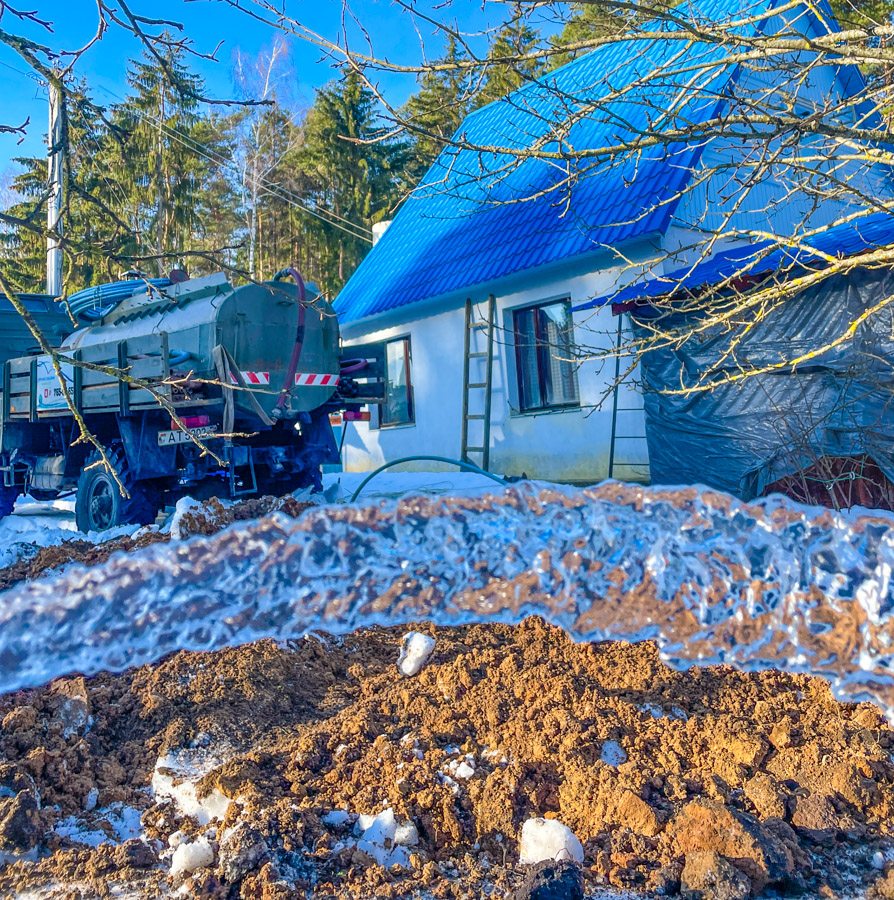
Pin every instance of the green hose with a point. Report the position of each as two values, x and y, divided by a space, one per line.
469 467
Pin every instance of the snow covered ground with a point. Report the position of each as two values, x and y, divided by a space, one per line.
391 483
35 524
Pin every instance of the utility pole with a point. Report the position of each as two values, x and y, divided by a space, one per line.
54 201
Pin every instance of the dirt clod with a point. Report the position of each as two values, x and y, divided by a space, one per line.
708 876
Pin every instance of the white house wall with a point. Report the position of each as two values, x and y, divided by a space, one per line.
567 445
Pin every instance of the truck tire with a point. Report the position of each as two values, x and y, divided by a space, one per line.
99 505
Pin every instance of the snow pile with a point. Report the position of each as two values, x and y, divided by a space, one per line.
35 524
175 777
390 484
697 571
382 838
190 856
415 650
543 839
108 825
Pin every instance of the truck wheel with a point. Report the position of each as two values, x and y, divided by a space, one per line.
99 504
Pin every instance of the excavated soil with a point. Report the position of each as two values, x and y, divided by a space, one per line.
212 517
708 783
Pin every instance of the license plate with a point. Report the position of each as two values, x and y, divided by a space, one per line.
170 438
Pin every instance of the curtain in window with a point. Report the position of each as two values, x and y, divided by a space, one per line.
544 347
397 408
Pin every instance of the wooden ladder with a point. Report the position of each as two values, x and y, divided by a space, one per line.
468 386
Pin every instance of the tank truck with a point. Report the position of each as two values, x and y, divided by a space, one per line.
191 385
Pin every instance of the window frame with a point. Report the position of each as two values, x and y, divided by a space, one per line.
411 398
543 358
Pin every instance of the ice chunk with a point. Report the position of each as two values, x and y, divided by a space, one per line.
548 839
414 652
191 856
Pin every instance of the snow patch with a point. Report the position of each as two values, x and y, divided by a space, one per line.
613 753
336 818
109 825
386 841
543 839
191 856
414 652
34 525
175 777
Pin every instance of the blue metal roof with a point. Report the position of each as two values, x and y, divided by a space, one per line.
475 218
867 233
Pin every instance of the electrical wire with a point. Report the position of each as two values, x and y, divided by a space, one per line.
289 197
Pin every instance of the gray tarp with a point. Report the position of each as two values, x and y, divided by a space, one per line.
744 436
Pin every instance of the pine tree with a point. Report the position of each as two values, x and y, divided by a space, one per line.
166 169
587 21
437 109
353 175
93 196
509 68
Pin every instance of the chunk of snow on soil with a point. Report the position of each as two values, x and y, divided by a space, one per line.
186 506
386 841
414 652
543 839
191 856
336 818
613 753
176 775
406 835
122 824
461 768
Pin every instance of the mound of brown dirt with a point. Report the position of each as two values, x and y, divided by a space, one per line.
211 518
708 783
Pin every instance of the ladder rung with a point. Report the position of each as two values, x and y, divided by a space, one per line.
475 449
477 355
477 384
474 417
478 325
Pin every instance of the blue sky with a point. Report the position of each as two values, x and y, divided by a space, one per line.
208 22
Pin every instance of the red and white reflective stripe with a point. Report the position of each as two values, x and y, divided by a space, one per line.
252 377
308 379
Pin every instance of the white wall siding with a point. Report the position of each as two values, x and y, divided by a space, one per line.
562 445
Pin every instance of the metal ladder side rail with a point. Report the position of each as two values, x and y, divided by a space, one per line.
613 462
486 385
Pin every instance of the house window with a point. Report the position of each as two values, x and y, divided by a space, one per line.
398 406
544 348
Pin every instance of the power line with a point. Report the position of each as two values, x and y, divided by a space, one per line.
30 75
274 190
